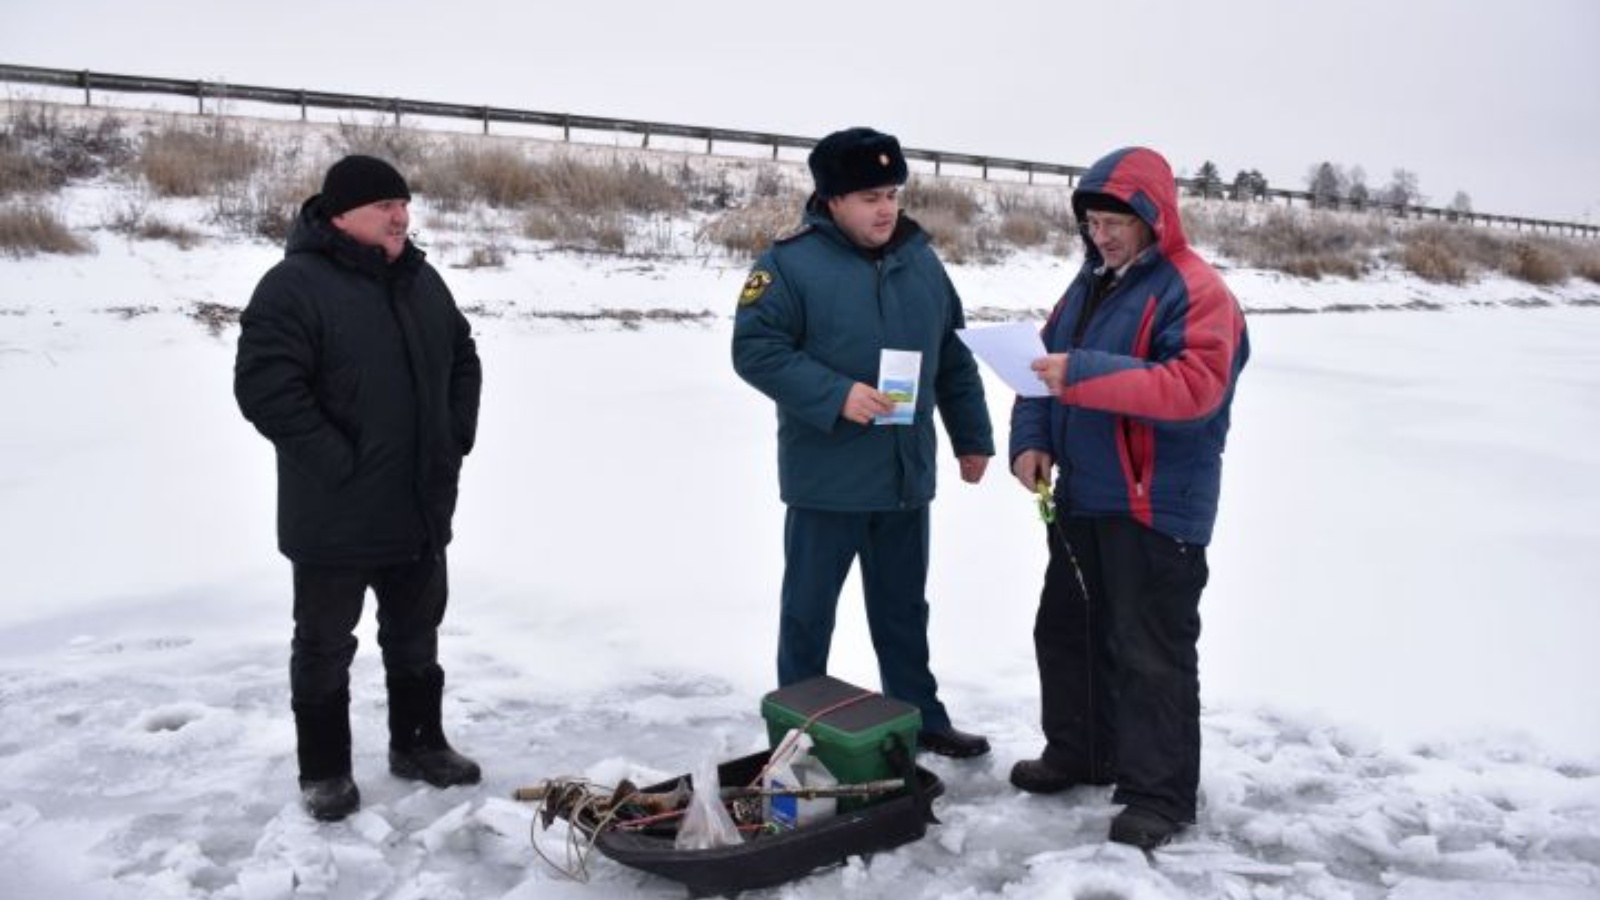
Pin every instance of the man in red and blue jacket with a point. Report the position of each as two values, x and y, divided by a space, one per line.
1144 351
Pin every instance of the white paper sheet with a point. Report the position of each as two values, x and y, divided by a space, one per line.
1009 349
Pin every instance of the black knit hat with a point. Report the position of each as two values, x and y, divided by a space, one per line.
856 159
358 180
1083 201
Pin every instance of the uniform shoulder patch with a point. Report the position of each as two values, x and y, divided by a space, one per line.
755 286
801 230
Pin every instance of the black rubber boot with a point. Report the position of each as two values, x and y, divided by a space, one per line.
417 748
322 746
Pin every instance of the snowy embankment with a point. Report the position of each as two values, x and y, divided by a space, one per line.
1397 664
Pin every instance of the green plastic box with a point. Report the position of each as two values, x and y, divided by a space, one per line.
850 741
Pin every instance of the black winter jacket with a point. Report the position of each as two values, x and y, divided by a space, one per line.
364 376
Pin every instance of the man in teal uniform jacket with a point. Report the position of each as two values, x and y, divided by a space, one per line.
814 319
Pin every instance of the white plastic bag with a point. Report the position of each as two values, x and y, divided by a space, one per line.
706 823
791 767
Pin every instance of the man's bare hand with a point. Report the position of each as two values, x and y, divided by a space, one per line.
1031 467
864 403
1052 370
973 467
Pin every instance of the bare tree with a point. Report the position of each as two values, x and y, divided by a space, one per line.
1327 184
1358 194
1402 189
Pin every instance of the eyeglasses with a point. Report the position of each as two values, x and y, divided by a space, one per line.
1108 224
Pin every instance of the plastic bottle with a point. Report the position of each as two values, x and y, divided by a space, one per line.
796 768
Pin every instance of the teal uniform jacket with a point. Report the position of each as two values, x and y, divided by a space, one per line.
814 318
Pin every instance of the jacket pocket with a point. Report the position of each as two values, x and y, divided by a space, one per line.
1137 445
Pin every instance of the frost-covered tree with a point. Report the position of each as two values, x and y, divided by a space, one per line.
1461 203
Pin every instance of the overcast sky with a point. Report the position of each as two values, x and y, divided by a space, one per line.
1498 99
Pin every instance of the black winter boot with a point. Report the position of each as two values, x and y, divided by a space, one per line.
322 734
953 742
441 768
330 799
1143 828
417 748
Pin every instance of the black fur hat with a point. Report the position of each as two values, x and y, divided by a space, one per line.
358 180
856 159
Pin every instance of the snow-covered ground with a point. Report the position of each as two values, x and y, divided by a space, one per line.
1400 687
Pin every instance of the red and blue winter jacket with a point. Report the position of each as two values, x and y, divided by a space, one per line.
1139 428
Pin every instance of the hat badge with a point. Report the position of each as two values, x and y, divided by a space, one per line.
883 159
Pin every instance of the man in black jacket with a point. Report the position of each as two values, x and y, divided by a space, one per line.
355 362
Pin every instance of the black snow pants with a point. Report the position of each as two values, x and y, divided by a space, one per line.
327 606
1119 668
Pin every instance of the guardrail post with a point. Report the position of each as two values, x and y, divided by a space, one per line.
302 96
774 151
200 96
486 120
87 99
1030 174
708 145
985 170
396 104
936 164
566 128
645 144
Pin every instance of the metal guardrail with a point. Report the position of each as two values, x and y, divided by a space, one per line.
202 91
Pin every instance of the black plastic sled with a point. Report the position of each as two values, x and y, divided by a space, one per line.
767 860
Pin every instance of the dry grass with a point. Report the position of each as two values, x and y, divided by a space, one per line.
30 229
179 162
464 174
22 171
1586 262
960 242
486 256
1433 260
748 230
933 200
1449 253
183 236
619 186
623 202
407 149
1024 228
1538 261
1209 223
40 151
1298 242
1455 253
135 221
601 232
267 206
568 201
67 150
